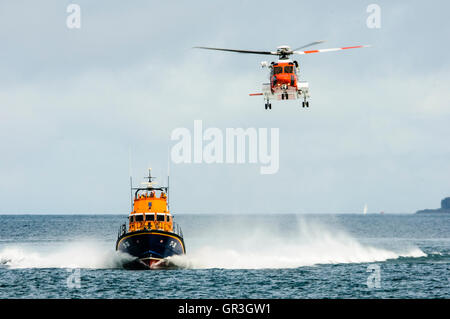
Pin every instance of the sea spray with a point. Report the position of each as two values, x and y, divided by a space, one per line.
244 246
234 243
73 255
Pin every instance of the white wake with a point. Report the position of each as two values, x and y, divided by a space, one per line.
237 246
73 255
313 244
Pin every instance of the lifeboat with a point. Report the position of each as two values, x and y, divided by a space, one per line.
152 235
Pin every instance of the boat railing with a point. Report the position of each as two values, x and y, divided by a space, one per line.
176 229
122 230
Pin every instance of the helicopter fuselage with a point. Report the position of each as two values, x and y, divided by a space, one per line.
283 77
284 82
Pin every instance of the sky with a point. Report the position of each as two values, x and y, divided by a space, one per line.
82 108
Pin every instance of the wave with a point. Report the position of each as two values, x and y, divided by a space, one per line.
227 247
313 244
74 255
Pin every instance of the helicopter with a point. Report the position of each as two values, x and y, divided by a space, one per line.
284 74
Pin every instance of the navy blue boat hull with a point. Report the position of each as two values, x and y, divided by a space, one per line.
150 247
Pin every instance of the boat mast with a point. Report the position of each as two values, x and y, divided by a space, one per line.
168 205
131 193
130 171
168 175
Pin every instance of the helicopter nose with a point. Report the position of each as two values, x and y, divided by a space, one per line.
283 78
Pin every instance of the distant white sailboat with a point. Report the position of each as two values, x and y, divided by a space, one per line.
365 209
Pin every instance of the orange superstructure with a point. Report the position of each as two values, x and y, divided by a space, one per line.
150 209
150 212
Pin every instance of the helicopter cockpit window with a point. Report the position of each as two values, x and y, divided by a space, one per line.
288 69
277 70
139 218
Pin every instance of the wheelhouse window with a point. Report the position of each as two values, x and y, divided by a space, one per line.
132 219
139 218
160 218
288 69
168 219
277 70
150 218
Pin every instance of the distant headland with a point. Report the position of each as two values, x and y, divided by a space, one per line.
445 208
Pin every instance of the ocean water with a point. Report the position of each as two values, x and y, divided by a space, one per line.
231 256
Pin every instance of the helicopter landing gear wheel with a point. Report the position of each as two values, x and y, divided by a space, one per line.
268 106
305 103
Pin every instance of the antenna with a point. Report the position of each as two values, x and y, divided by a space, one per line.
131 179
131 193
150 177
168 175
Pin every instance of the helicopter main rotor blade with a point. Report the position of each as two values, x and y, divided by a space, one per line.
238 51
329 50
308 45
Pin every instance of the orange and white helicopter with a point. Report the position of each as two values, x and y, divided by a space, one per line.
284 82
